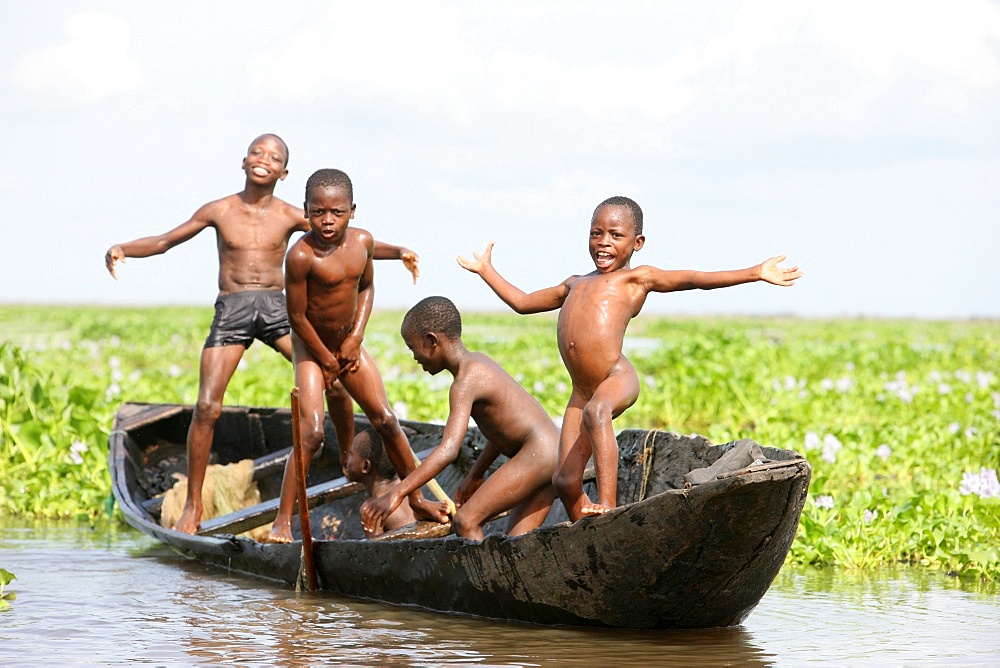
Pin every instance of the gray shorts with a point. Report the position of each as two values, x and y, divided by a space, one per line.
241 317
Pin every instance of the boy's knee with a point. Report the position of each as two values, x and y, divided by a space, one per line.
596 415
207 410
312 438
385 423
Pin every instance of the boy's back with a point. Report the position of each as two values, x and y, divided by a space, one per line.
505 413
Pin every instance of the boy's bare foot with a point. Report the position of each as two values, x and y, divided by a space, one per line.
280 535
435 511
189 521
589 509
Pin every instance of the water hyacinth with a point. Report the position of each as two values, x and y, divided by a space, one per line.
983 484
867 385
75 451
823 501
831 446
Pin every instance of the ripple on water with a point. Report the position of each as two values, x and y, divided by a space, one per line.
87 596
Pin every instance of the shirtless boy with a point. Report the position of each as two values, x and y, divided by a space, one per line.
252 230
594 311
329 288
513 422
368 464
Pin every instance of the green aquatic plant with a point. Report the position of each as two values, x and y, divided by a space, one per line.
6 597
899 419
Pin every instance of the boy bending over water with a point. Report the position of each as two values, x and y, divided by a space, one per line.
513 422
594 311
329 289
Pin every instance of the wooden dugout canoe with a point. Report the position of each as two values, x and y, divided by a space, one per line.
666 558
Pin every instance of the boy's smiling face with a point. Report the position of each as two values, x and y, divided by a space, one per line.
266 160
613 238
329 210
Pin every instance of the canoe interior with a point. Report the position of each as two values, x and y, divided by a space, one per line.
155 437
668 557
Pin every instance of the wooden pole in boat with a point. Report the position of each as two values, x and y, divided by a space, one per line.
300 470
435 488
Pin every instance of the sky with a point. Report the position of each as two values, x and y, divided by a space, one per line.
860 139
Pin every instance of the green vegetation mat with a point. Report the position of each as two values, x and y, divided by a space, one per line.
900 419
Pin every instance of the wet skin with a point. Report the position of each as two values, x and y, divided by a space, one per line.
329 290
514 424
253 228
594 312
361 469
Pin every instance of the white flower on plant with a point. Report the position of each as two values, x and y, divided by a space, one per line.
944 388
826 384
868 516
561 387
117 375
984 483
984 379
401 410
539 386
114 362
791 383
935 376
883 451
243 364
174 371
115 340
969 398
113 391
823 501
954 428
970 432
844 383
650 381
831 446
849 366
963 376
75 451
812 441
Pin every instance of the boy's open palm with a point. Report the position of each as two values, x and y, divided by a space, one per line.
772 273
481 261
410 261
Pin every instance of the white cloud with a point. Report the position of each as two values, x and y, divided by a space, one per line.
93 63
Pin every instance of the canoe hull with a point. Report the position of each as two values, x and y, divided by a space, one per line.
666 558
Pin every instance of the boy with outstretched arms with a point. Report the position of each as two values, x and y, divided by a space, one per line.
368 464
329 288
252 229
594 311
513 422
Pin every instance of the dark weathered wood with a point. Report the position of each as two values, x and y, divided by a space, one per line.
667 557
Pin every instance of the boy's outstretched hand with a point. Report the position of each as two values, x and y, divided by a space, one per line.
481 262
772 273
410 260
114 255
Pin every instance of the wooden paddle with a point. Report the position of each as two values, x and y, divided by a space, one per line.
300 470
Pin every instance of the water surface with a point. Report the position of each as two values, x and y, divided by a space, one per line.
118 597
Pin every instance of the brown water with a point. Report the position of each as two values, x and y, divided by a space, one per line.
90 596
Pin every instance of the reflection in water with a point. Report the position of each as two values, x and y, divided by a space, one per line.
120 598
